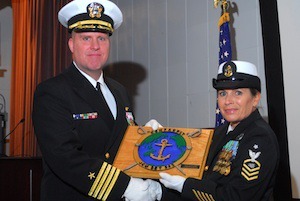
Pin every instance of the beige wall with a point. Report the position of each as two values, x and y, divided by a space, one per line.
176 44
174 47
289 23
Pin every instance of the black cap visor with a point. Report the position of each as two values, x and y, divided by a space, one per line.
251 82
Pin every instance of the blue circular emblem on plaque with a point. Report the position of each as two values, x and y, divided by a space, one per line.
163 149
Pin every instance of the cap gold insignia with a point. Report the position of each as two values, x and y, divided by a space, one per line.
95 10
228 71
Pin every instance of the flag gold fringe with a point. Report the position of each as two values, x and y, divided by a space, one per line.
224 18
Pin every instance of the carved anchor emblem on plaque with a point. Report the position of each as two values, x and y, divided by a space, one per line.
160 157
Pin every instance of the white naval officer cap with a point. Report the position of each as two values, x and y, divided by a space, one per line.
237 74
91 16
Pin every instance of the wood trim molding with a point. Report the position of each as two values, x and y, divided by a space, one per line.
2 72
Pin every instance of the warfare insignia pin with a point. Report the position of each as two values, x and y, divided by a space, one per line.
240 137
251 166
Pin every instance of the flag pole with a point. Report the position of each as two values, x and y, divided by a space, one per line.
224 46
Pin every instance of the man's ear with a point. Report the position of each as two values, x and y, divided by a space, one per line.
70 43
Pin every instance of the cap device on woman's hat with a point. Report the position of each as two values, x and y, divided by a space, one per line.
237 74
91 16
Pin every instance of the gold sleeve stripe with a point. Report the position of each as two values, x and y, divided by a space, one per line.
206 196
104 182
201 196
211 197
97 179
112 183
196 194
105 185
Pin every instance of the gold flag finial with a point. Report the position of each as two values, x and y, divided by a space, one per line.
216 3
224 4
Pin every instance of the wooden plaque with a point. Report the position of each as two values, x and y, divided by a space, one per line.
144 153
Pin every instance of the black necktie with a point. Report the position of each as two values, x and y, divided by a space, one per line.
98 86
106 115
109 98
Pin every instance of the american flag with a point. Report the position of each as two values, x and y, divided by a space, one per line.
224 54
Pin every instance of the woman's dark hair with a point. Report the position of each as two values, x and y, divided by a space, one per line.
253 91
